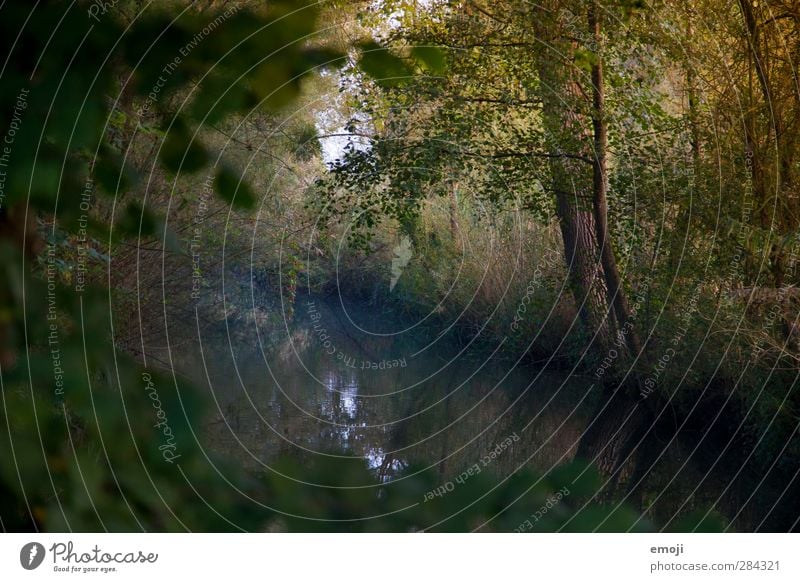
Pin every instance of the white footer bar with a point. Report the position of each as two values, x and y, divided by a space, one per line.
400 557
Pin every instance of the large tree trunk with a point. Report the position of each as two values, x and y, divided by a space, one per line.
567 125
575 124
613 280
620 422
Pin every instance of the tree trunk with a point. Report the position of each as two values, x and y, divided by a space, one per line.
613 280
575 124
567 126
683 221
784 220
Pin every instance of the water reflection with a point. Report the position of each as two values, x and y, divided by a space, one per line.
380 399
339 383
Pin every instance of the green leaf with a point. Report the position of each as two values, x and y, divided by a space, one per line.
385 68
230 185
136 221
181 152
432 58
585 59
110 173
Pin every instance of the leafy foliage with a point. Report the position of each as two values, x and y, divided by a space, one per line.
95 440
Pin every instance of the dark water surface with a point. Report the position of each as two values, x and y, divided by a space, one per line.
353 381
388 397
